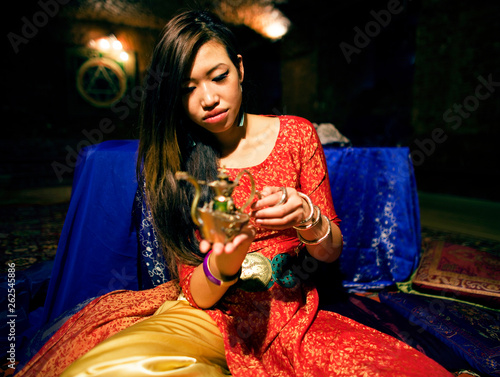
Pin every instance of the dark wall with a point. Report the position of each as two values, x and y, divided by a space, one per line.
386 73
391 73
456 113
356 63
48 120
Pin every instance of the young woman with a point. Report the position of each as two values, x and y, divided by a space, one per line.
222 323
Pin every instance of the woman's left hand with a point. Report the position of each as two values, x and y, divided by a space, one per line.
279 208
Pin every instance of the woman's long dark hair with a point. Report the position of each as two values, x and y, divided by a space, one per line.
169 141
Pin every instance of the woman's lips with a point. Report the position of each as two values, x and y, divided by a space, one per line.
217 117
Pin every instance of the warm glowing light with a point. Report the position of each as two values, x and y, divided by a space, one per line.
117 45
265 19
274 24
110 45
103 44
275 30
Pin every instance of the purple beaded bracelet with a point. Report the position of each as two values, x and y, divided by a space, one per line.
229 280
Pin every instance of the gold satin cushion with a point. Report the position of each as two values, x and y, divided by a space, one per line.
178 340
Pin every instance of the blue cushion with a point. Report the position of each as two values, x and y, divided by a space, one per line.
97 250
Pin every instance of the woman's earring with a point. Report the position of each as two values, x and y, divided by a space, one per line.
242 119
191 141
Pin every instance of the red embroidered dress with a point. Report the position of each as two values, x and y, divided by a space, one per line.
273 332
279 331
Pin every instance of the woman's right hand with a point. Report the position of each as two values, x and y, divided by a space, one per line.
226 259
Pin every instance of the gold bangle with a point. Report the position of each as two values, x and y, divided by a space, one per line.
318 240
314 222
311 207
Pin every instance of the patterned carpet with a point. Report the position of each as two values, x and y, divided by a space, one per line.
29 234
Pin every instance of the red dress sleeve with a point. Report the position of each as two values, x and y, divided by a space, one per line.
185 275
314 180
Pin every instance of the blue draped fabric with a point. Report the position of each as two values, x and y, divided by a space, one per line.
375 195
108 243
97 250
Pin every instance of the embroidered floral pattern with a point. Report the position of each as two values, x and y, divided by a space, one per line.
152 260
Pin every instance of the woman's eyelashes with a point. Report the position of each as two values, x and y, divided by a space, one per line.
218 78
221 77
187 89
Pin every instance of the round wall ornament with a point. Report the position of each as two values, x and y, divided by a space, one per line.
101 81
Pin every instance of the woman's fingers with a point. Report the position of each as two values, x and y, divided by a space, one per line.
279 208
205 246
243 239
227 258
218 248
271 196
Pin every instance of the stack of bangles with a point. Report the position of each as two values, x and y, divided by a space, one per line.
310 221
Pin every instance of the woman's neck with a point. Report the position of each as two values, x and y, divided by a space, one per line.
250 144
229 140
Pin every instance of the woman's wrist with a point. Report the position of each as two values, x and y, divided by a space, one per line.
310 231
316 218
307 219
316 236
215 276
314 214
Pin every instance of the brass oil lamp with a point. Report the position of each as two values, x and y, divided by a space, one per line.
219 220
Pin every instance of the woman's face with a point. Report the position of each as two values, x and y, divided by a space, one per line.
212 92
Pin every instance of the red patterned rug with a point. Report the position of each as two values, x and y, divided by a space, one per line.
462 271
